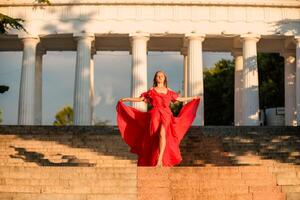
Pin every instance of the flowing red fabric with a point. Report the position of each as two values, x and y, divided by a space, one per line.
140 130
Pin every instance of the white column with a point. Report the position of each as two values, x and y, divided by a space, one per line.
195 73
250 80
297 39
185 75
139 67
82 90
92 93
27 82
289 89
238 85
38 87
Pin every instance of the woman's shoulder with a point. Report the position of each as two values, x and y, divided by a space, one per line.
170 90
173 93
150 89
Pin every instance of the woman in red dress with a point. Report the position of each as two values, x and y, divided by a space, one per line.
155 135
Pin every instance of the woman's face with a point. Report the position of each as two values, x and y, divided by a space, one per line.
160 77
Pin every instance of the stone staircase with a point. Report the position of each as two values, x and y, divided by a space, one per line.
65 165
266 159
67 183
89 163
65 149
212 183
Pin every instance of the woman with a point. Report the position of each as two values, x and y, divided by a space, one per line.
155 135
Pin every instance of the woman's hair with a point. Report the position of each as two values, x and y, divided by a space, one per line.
154 79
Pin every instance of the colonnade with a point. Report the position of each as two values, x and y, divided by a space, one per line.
246 106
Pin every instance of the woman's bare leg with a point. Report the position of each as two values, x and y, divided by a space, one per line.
162 144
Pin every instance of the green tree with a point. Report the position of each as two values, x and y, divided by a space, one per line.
1 116
271 80
7 22
219 93
102 122
4 88
64 117
176 107
219 88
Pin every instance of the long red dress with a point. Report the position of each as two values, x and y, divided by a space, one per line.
140 130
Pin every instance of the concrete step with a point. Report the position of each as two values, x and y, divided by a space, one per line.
114 180
76 164
96 160
66 155
7 169
88 182
78 189
49 196
250 182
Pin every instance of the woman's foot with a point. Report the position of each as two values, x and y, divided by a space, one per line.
159 163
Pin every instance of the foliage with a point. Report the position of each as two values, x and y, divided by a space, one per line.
64 117
43 1
1 116
7 22
176 107
219 93
102 122
3 88
219 88
271 80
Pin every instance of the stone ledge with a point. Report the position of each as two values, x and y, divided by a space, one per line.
266 3
113 130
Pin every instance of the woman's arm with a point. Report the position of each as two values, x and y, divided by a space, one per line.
133 99
187 98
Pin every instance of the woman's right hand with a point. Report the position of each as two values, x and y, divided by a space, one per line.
123 99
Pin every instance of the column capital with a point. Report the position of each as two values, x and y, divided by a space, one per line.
29 39
81 35
25 36
139 35
195 36
285 53
93 49
93 52
250 36
289 56
237 52
41 51
184 51
297 39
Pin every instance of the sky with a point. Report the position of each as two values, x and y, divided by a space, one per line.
112 80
